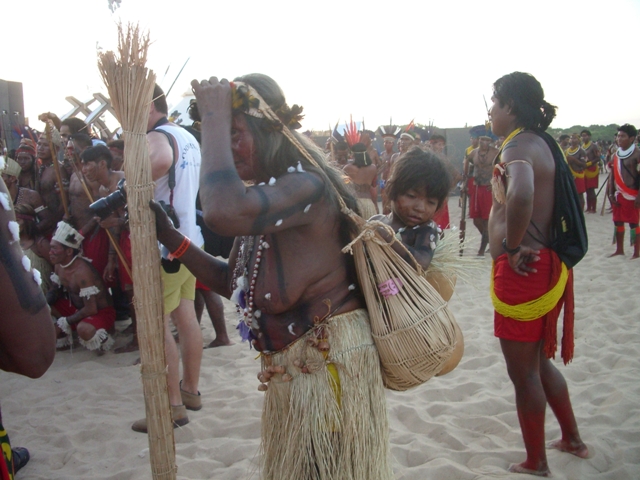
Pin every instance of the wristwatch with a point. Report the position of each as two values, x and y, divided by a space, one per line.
510 251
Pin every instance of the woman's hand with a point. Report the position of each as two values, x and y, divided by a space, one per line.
214 98
165 231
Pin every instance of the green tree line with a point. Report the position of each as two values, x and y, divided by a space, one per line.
598 132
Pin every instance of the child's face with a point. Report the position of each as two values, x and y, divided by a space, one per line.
414 207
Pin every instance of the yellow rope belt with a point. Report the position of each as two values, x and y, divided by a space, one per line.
592 173
533 309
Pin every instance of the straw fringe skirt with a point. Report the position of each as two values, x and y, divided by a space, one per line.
330 424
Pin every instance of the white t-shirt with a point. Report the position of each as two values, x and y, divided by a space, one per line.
187 182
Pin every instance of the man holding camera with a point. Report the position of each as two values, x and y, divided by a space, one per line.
109 213
175 167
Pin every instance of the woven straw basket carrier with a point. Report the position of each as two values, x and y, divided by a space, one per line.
415 333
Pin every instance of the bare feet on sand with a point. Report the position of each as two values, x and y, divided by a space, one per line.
218 342
615 254
578 449
520 468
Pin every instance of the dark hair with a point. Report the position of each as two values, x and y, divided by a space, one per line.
562 137
97 153
585 131
417 169
192 110
360 156
342 146
118 144
435 138
160 100
277 153
628 129
75 125
524 94
82 139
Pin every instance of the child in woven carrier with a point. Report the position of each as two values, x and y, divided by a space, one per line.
418 188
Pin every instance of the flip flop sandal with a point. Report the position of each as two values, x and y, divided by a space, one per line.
20 456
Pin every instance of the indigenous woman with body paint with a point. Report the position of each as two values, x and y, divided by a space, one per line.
297 293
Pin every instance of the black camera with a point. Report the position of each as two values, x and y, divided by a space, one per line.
105 206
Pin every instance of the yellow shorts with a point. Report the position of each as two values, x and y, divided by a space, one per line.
177 286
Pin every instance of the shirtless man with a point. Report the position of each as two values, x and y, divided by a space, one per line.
519 228
389 133
467 166
480 203
592 170
577 160
117 150
623 188
96 242
362 173
26 158
88 309
21 195
96 168
289 273
366 137
47 181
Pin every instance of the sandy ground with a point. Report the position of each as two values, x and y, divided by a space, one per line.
76 419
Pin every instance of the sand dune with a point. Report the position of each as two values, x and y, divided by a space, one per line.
76 419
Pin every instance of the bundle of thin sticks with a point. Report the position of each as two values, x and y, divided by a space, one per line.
130 85
413 329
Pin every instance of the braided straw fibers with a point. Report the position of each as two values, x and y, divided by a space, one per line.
130 86
414 331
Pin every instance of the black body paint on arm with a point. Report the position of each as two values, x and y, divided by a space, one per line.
221 176
265 217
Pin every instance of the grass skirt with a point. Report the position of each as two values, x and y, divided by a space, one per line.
330 423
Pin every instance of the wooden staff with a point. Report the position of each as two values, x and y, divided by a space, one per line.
130 86
56 166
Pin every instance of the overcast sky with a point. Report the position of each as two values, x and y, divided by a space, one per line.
422 60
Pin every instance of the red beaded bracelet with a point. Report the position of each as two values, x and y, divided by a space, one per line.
181 249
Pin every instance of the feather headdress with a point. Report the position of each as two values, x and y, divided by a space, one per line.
351 133
390 130
336 137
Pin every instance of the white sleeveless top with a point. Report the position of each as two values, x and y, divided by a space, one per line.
187 182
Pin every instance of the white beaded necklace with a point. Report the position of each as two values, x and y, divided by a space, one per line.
72 260
622 154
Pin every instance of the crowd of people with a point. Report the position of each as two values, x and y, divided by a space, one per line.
233 174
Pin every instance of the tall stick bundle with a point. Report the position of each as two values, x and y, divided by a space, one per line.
130 86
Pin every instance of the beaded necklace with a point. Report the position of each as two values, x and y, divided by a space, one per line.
570 152
72 260
622 154
244 283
